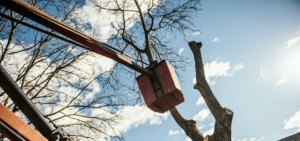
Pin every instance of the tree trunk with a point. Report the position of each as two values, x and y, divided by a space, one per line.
223 116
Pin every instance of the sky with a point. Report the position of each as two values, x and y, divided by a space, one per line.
250 51
251 55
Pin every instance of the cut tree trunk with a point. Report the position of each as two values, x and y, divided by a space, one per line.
223 116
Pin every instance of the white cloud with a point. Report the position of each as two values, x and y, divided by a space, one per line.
196 33
194 80
212 124
188 139
243 139
252 139
213 82
298 31
13 62
218 58
201 127
239 66
181 50
291 42
102 20
63 120
89 66
216 40
209 132
140 115
173 132
200 101
281 81
216 69
135 116
219 69
202 115
293 122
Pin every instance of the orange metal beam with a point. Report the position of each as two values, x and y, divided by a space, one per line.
15 128
43 18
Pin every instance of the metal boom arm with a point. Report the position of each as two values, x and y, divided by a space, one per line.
43 18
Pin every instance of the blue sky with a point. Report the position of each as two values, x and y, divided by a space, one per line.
251 55
264 38
250 51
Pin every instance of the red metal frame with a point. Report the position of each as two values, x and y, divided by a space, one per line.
43 18
14 128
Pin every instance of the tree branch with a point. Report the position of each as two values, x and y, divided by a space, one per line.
146 34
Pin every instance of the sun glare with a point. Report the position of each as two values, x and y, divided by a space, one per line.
291 63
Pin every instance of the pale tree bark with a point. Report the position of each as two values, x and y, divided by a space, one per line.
223 116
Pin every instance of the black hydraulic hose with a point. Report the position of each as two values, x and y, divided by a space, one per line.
25 105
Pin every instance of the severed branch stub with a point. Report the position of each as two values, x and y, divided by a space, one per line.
223 116
189 126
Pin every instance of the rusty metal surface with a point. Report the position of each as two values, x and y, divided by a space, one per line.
15 128
168 101
43 18
146 89
161 100
9 133
167 76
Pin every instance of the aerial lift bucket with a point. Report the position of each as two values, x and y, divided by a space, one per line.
162 91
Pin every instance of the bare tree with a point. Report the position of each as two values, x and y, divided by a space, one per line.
64 82
51 67
144 29
146 39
